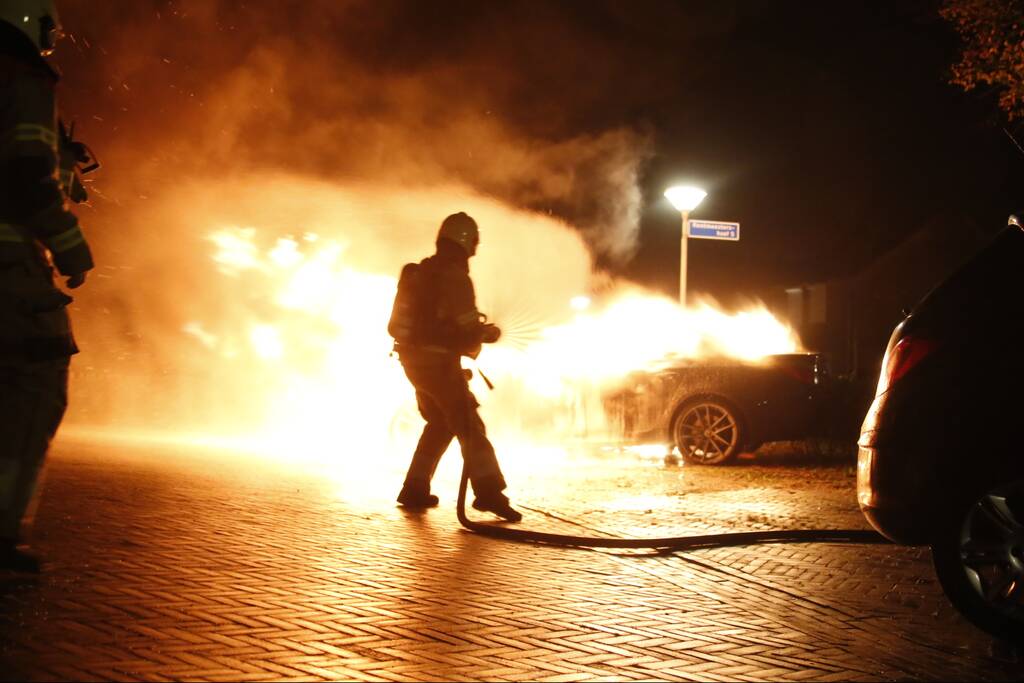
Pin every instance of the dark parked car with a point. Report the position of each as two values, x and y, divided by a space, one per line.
711 410
940 457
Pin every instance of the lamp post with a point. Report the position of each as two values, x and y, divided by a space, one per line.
685 199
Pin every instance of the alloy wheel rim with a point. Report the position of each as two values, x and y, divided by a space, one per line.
992 549
706 432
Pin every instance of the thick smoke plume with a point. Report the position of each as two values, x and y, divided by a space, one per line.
531 103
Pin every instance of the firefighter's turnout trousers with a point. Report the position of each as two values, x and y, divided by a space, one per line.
35 346
450 409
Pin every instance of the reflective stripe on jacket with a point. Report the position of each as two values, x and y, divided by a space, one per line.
57 244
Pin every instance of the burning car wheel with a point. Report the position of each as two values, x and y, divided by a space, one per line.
979 560
707 431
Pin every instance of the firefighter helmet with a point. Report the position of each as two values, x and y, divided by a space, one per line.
37 19
461 229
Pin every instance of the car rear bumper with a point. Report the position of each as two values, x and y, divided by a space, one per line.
892 494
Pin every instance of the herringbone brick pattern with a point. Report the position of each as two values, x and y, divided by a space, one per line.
182 566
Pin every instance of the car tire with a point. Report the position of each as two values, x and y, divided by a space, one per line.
979 560
406 422
708 430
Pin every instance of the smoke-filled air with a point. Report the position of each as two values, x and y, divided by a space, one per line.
267 172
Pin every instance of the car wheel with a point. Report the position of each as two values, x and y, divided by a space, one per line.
707 431
406 423
979 560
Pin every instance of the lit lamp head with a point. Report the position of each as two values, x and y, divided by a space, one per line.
685 197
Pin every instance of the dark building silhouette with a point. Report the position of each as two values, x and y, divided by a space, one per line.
851 318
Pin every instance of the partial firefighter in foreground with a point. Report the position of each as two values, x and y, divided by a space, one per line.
38 171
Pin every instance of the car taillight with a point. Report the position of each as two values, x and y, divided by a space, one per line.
908 352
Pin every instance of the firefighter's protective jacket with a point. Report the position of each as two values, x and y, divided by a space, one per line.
34 218
440 316
33 210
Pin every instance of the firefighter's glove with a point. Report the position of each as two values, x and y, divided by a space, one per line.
76 280
491 334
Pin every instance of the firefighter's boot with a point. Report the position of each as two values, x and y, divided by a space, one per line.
497 503
416 495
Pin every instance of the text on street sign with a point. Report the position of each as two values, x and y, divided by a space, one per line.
714 230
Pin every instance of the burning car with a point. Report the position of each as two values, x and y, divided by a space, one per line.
713 409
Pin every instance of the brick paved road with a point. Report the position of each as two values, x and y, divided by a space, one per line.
172 564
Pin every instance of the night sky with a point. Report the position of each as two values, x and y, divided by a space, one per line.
826 129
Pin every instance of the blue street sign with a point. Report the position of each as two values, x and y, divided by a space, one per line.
715 230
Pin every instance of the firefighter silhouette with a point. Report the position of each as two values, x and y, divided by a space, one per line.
38 172
435 322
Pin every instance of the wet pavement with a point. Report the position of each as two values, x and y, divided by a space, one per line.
174 563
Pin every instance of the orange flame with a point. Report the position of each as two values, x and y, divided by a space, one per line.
325 346
282 334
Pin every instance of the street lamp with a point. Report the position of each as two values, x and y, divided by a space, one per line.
685 198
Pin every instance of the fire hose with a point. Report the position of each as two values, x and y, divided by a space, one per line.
859 536
692 542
